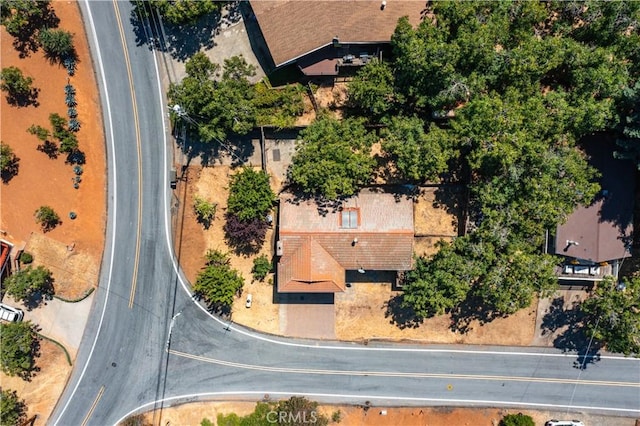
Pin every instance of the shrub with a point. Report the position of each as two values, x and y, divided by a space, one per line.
26 258
205 210
29 282
40 132
250 195
15 84
47 218
261 267
9 163
57 44
217 258
517 420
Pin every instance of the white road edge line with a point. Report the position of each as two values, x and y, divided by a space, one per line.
115 208
374 397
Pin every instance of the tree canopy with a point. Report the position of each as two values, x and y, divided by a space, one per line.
210 108
333 158
181 12
218 283
19 349
9 163
613 315
17 86
250 194
12 408
29 282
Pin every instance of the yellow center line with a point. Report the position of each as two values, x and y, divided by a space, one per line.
134 103
404 374
93 406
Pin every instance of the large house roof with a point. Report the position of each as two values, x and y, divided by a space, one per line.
293 28
602 230
318 245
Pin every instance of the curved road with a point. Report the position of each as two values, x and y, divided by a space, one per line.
143 307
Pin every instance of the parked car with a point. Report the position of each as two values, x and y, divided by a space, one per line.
249 300
564 423
10 314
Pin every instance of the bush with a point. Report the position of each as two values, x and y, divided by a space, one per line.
26 258
9 163
250 195
47 218
205 211
57 45
517 420
261 267
245 235
217 258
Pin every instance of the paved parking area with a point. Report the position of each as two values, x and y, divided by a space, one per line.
308 320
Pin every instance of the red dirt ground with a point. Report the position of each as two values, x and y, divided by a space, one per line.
44 181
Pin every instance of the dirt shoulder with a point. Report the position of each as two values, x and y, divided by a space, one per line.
73 250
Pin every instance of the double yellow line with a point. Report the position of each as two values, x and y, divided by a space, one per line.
93 406
404 374
136 122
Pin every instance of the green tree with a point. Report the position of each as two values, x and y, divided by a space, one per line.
613 315
278 107
19 348
68 139
418 156
261 267
301 411
23 18
57 44
629 130
333 158
371 92
217 258
9 163
12 408
517 420
29 282
250 194
181 12
207 422
218 284
47 218
40 132
435 286
17 86
205 210
214 109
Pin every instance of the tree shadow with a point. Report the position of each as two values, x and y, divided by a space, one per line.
401 317
50 148
180 41
25 40
24 100
574 337
469 310
238 148
10 170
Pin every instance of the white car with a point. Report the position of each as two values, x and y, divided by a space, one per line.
564 423
10 314
249 300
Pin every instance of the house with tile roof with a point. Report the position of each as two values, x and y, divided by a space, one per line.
316 246
325 37
596 238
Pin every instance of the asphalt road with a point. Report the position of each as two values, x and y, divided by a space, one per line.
123 365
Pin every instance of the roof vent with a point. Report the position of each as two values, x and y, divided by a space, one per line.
279 248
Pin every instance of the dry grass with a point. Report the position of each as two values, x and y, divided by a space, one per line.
42 392
74 271
211 183
360 315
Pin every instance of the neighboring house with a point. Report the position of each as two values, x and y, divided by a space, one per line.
596 238
316 246
327 37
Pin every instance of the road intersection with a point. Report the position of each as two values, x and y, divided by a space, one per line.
148 344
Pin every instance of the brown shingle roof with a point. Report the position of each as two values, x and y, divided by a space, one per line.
602 230
294 28
317 250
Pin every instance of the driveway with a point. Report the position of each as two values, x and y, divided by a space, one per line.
308 315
